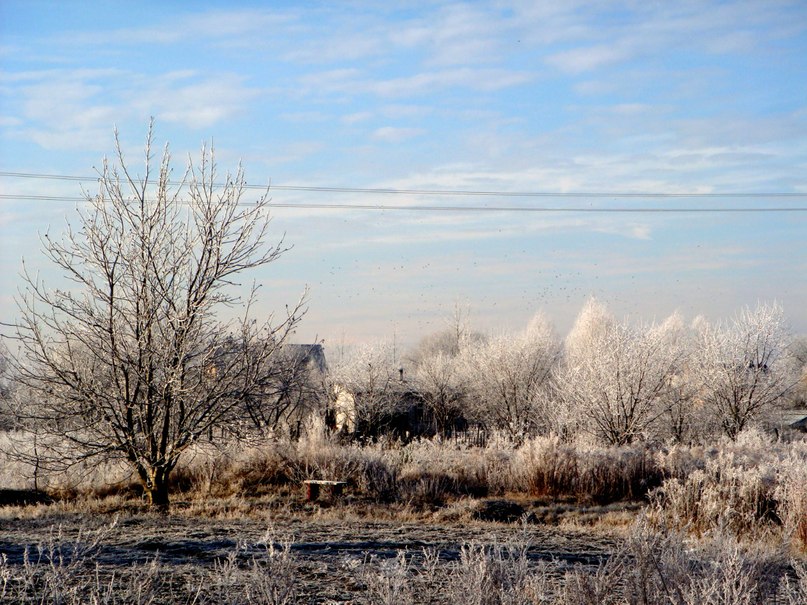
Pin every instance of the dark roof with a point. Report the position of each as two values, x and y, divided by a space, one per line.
799 424
795 419
311 354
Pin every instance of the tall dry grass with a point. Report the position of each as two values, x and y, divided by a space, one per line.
66 571
547 466
653 566
754 486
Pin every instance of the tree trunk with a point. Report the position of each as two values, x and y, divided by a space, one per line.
156 490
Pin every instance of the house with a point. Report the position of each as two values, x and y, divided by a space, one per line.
343 411
396 408
399 412
795 419
310 356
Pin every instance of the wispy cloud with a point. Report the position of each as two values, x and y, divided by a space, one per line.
587 59
210 25
92 101
475 79
392 134
354 82
457 34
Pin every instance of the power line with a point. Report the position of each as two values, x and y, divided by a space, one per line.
458 192
396 207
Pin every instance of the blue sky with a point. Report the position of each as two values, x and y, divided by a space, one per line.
558 97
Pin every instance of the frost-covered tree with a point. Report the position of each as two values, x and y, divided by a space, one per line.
437 369
797 355
509 377
683 419
440 381
5 389
742 366
617 378
366 386
291 393
449 341
131 361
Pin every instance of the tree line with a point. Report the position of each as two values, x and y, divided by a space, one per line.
618 381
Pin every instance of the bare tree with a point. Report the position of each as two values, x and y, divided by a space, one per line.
131 361
743 367
509 377
441 383
5 389
366 386
293 389
449 341
617 378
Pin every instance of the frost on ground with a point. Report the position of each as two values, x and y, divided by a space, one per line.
329 560
144 558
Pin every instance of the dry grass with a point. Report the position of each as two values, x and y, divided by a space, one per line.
753 487
545 466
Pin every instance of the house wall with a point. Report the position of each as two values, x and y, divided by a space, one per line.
344 411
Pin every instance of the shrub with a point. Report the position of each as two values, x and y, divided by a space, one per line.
546 466
751 487
791 495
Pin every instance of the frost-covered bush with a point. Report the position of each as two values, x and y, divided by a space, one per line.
791 494
21 467
509 378
433 471
743 371
751 485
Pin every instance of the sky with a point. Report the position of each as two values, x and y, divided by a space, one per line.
601 110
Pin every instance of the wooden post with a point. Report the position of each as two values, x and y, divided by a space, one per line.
311 491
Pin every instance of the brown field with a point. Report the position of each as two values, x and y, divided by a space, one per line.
331 551
267 551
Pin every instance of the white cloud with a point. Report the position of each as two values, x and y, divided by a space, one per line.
332 80
354 82
457 34
391 134
291 152
346 47
211 25
199 103
428 82
355 118
591 58
75 109
629 230
9 121
398 111
304 117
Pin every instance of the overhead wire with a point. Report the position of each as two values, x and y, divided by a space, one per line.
613 195
421 208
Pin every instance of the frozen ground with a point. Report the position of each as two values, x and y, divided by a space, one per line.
326 552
